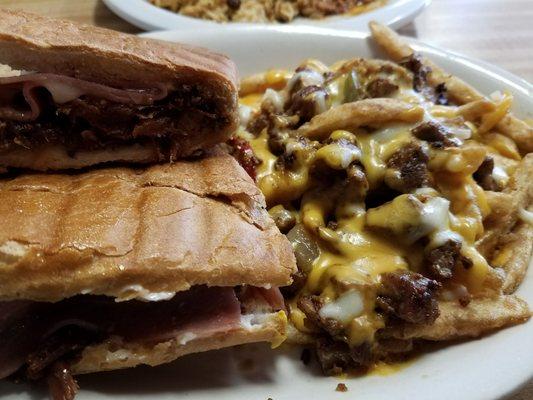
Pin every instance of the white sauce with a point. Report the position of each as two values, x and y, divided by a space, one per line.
293 146
275 98
500 176
307 77
348 306
186 338
441 237
122 355
462 133
139 292
526 216
252 322
435 214
347 155
320 103
245 114
426 191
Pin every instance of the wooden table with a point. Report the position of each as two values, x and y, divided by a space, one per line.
497 31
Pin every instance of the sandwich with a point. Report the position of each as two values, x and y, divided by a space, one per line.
407 197
113 268
75 96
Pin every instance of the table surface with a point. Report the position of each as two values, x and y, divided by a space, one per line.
497 31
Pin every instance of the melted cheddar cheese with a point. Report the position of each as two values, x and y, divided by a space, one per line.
365 242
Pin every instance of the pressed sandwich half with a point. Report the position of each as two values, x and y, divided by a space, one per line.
118 267
76 95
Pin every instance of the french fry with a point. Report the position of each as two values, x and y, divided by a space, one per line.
481 316
515 256
458 90
517 195
360 113
258 83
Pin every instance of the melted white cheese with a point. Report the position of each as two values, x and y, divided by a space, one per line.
348 306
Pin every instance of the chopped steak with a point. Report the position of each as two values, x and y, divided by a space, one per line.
310 306
380 87
299 278
411 171
437 94
276 141
305 357
409 297
420 71
308 102
258 123
341 387
441 93
64 343
335 356
356 178
233 4
434 133
61 383
442 261
484 177
91 123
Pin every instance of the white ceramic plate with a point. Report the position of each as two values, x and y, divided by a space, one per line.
141 13
485 369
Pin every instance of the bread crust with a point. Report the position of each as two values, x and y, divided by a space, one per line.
36 43
127 233
56 157
116 354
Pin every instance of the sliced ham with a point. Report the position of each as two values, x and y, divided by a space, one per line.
64 89
40 334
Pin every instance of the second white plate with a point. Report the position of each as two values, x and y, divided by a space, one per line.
141 13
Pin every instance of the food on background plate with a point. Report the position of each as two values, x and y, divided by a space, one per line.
79 96
405 194
113 268
266 10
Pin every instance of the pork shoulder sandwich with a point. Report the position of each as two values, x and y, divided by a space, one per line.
79 95
119 267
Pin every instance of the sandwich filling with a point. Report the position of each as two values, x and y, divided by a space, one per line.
38 109
39 339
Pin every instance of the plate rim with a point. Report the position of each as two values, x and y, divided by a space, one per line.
518 83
